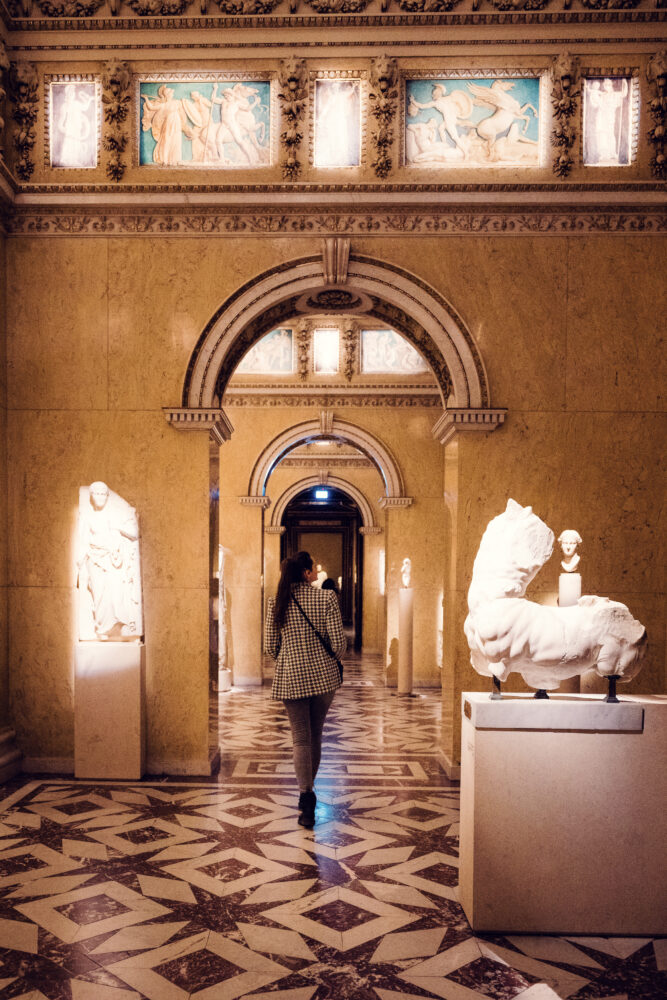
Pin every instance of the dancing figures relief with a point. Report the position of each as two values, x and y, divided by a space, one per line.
205 123
507 633
472 123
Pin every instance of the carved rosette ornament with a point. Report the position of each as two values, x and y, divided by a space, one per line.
293 96
116 79
656 72
23 84
384 103
564 99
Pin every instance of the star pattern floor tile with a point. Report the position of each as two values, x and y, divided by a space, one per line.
209 890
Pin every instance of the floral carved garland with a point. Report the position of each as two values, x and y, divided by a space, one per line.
384 102
116 80
564 98
23 83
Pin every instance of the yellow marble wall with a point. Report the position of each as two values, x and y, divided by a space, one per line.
99 334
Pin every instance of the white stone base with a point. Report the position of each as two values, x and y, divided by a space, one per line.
109 717
563 819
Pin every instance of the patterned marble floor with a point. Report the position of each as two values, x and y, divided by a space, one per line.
210 890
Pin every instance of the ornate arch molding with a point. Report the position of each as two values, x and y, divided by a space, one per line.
330 427
383 290
355 494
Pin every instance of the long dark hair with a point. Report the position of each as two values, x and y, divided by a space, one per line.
291 573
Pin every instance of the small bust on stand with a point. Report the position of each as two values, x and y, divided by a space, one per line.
568 541
569 583
406 572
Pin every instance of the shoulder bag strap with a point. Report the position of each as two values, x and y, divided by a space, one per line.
324 641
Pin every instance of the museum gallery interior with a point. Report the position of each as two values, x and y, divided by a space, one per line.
384 281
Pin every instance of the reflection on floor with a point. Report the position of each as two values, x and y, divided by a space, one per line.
210 889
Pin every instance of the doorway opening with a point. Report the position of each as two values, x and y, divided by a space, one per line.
325 522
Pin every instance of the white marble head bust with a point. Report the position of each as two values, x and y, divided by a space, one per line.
568 541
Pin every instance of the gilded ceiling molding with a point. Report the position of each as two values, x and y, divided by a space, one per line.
116 80
656 72
335 482
342 430
565 101
453 421
383 96
293 80
213 420
23 88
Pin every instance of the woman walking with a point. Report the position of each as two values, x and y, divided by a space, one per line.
304 635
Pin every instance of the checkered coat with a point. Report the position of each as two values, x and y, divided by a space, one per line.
303 667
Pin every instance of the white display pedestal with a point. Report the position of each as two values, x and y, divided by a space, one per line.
109 698
405 631
563 818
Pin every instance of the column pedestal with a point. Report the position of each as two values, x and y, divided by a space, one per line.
109 712
405 633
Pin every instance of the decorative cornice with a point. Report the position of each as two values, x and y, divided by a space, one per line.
263 502
394 503
215 421
453 421
340 398
371 529
462 220
275 529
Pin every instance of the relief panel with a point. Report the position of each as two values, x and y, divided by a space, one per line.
272 355
609 121
337 132
473 122
73 123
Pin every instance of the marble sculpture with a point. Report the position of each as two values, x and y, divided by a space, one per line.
406 572
109 572
545 645
568 541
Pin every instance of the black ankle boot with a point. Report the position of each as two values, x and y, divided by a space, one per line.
307 803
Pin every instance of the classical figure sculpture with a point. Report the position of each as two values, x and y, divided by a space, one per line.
406 572
109 577
568 541
545 645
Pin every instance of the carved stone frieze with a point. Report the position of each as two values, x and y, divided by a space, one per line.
383 95
610 4
248 7
428 6
23 85
293 96
161 8
480 219
332 463
520 4
116 81
340 398
69 8
338 6
565 101
656 72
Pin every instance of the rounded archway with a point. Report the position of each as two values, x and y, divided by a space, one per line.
336 483
376 288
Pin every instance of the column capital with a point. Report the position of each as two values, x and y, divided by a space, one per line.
458 419
394 502
191 418
261 502
370 529
275 529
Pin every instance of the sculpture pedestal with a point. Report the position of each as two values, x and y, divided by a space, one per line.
405 631
109 717
563 821
569 589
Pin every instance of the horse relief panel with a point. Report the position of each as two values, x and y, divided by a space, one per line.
272 355
386 352
608 121
473 122
73 123
205 122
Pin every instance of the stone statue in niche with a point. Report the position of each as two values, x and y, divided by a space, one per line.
406 572
568 541
546 645
108 564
